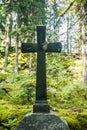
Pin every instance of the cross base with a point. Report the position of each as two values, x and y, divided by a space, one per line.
42 121
41 107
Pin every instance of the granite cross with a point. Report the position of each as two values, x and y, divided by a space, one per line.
41 105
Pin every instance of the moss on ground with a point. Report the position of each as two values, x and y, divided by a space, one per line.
65 94
11 115
76 119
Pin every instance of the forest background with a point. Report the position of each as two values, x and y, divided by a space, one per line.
66 21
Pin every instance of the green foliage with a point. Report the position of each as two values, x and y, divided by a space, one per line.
75 116
2 19
82 118
65 94
20 92
81 1
3 77
11 114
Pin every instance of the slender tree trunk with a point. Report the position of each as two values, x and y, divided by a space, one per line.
16 55
6 55
30 63
8 42
17 44
68 46
84 70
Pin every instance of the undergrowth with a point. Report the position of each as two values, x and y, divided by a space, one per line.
64 89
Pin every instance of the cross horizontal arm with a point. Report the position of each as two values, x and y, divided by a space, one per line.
28 47
51 47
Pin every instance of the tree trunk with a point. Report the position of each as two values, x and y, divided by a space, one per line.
6 55
8 42
17 44
84 70
68 45
16 55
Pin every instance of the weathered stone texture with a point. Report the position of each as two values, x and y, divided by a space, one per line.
40 121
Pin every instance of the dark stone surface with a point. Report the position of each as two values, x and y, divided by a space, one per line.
51 47
41 107
42 121
41 89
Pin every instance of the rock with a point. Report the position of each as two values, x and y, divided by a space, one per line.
42 121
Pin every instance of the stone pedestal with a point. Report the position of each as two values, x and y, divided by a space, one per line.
41 107
42 121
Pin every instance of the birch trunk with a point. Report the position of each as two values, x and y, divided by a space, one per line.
84 70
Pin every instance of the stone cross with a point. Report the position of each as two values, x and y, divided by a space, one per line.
41 105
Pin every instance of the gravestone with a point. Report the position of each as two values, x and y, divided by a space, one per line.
41 118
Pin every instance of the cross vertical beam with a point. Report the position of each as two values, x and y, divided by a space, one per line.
41 104
41 65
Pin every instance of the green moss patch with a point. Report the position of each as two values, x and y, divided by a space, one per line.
11 114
